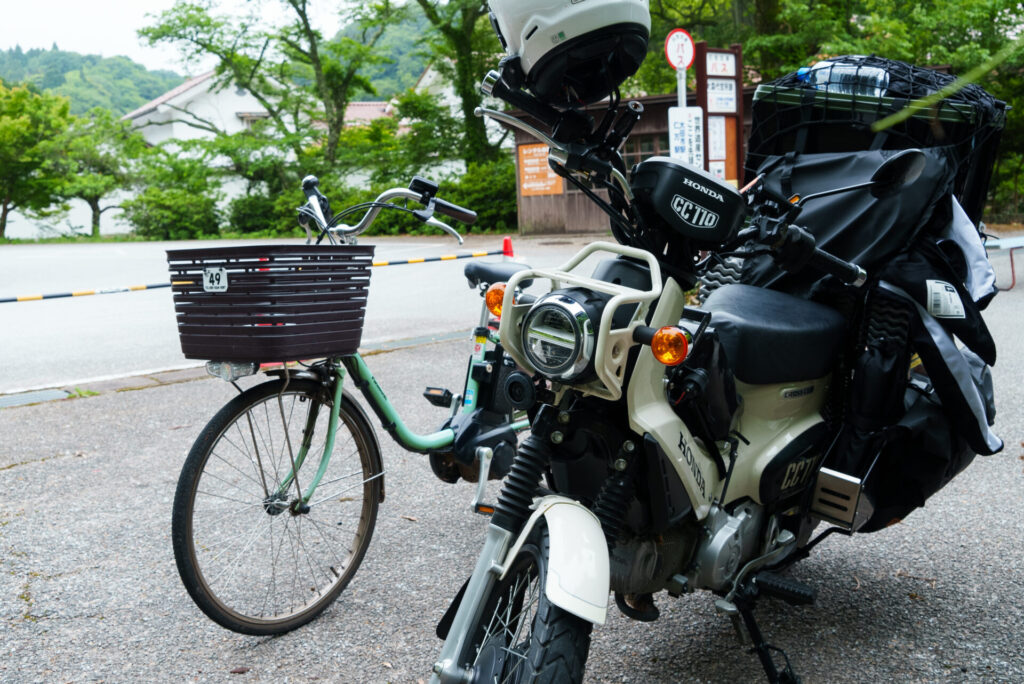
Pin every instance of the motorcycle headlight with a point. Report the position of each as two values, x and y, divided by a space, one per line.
559 336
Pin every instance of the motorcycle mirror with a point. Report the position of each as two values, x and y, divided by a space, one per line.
897 172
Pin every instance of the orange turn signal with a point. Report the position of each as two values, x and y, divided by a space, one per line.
494 297
670 345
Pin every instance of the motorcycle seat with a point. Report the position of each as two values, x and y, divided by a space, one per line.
487 273
772 337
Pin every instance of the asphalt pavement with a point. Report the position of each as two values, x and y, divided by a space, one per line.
89 591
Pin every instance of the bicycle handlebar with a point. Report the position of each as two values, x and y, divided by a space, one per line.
315 199
467 216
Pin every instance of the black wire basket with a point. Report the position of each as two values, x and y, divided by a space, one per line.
832 106
270 302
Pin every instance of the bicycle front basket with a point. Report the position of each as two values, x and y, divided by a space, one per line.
270 302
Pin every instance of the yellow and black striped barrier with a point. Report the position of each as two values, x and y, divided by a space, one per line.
505 251
446 257
82 293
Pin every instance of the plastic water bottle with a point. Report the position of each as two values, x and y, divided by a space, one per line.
848 79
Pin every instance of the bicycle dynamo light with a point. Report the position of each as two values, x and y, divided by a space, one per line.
559 333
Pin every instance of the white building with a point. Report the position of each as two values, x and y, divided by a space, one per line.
229 109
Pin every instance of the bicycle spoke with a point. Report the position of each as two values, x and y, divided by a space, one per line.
348 489
252 540
260 562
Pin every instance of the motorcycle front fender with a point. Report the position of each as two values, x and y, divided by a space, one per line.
578 576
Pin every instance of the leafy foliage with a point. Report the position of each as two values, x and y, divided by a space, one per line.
403 54
294 73
95 159
114 83
179 194
172 214
465 48
31 126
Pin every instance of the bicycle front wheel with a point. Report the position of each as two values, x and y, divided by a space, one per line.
253 555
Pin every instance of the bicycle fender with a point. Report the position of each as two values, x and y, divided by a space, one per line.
578 577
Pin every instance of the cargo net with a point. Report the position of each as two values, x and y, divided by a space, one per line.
831 106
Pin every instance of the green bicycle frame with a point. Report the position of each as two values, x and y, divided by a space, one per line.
362 376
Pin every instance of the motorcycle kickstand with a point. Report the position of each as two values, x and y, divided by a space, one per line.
744 601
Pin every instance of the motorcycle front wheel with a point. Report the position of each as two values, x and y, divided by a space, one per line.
251 554
520 635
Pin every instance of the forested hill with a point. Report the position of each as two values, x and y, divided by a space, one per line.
114 83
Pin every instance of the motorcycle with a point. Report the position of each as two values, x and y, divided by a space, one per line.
676 448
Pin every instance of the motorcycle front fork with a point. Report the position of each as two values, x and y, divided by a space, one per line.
447 669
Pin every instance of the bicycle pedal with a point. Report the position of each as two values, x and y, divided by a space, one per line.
439 396
791 591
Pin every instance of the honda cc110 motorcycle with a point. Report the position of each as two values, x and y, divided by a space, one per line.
675 448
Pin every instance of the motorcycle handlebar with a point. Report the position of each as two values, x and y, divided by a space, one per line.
848 272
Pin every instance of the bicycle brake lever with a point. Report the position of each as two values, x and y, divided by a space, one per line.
445 227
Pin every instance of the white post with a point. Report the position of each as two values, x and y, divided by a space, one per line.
681 87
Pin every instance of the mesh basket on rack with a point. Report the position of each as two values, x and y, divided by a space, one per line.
270 303
831 106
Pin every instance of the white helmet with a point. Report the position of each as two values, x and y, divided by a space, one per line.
573 51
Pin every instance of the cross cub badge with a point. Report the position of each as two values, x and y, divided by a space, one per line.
693 214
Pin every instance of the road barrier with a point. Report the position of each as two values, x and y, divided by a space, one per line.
506 250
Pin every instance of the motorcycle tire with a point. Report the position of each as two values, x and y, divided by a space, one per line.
520 635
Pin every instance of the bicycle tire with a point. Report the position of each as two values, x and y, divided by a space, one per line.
235 499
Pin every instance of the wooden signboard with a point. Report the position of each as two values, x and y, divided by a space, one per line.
535 176
720 95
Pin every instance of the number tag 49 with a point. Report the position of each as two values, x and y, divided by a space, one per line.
215 280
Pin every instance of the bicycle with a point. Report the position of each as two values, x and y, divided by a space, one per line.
265 534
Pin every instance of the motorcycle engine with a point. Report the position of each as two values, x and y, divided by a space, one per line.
732 540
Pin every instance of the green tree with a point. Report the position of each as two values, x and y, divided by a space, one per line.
96 159
30 126
464 49
295 74
179 193
114 83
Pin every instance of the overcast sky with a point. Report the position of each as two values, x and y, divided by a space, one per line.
108 27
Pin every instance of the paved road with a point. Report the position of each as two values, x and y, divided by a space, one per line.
89 592
62 342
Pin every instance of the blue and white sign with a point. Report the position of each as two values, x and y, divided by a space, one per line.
686 135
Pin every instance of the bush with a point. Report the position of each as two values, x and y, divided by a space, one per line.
172 214
265 215
250 213
489 190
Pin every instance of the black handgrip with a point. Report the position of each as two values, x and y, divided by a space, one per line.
849 273
309 186
467 216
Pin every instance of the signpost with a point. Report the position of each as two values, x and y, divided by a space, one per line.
685 125
679 51
719 74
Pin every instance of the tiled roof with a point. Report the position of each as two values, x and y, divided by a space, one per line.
168 96
363 112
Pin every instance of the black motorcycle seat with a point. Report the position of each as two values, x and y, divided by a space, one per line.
488 273
772 337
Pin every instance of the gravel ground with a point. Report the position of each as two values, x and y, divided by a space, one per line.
89 590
